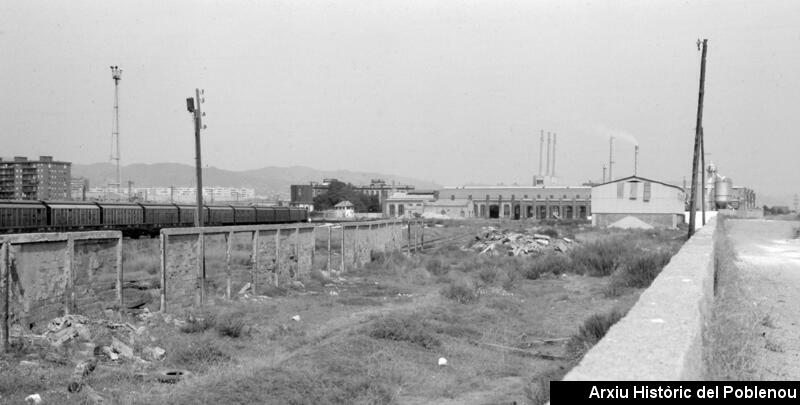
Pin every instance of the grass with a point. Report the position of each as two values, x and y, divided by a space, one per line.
592 330
731 338
199 355
404 329
551 263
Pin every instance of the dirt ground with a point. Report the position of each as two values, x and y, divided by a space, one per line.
372 335
768 254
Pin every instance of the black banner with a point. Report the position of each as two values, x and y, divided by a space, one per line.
673 392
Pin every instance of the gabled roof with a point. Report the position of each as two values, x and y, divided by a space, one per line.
344 204
637 178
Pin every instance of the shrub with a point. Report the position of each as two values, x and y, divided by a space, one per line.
406 329
599 259
460 292
642 269
436 266
538 391
551 232
553 263
200 353
488 274
231 326
592 330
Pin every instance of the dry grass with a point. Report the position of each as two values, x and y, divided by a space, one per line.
732 336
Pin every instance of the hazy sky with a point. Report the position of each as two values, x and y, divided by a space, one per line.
449 91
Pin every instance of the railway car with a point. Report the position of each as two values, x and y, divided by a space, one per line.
120 215
265 215
220 215
73 215
243 215
282 214
22 216
298 214
161 215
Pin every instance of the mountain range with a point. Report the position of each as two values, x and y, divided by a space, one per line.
267 181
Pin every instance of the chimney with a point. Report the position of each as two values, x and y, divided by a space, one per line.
548 155
610 158
541 146
635 159
553 170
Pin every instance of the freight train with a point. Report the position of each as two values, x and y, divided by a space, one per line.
133 219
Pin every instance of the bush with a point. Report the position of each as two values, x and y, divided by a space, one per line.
599 259
641 269
488 274
592 330
405 329
199 354
551 232
553 263
436 266
232 326
460 292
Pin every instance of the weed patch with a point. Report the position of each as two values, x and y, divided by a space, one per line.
405 329
460 292
599 259
592 330
200 354
554 263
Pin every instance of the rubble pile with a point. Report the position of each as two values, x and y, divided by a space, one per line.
497 242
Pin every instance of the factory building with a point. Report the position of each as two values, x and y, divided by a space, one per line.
653 202
302 195
43 179
523 202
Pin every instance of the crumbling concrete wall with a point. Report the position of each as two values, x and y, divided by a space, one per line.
95 275
38 282
181 275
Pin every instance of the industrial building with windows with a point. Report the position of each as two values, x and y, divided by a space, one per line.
43 179
653 202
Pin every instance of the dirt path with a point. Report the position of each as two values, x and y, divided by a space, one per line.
769 257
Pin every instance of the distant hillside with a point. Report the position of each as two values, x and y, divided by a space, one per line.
266 181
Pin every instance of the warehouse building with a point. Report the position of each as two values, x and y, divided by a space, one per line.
653 202
524 202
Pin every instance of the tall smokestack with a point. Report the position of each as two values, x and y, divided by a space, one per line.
541 146
610 158
548 155
604 173
635 159
553 171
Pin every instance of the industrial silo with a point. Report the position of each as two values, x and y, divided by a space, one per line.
723 191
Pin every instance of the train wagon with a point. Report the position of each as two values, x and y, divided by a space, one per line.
265 215
22 216
166 215
243 215
120 215
282 214
298 214
73 215
187 213
220 215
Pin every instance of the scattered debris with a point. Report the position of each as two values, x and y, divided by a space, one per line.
26 363
296 318
63 329
92 396
82 369
333 293
497 242
168 376
244 289
124 350
442 361
33 399
154 353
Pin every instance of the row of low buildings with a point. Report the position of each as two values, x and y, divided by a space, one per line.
302 195
186 195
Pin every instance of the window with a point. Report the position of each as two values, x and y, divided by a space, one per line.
646 196
487 196
452 197
512 196
551 196
620 190
538 196
469 196
526 196
634 189
565 196
506 210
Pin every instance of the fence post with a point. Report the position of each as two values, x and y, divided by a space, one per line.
163 239
5 280
313 247
356 247
69 299
296 251
119 271
330 233
422 236
228 243
277 257
343 250
408 245
254 262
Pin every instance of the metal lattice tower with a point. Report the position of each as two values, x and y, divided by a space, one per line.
116 74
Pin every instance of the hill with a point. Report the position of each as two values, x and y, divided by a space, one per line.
266 181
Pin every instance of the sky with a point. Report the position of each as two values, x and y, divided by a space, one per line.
449 91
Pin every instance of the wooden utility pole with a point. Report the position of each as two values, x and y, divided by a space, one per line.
698 137
703 174
198 124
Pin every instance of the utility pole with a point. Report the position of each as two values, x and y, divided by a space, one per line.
130 195
116 74
703 173
604 173
541 146
698 135
194 106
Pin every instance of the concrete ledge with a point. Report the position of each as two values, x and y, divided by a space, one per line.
661 337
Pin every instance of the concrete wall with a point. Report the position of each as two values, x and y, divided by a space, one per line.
281 254
661 337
